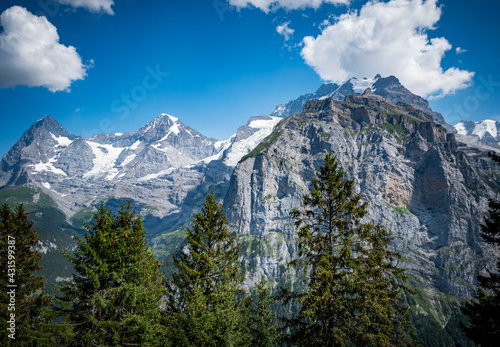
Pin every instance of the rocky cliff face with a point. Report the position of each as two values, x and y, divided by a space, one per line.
428 189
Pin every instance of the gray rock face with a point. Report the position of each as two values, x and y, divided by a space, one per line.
426 188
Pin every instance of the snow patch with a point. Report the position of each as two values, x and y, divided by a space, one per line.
135 145
220 147
156 175
243 147
173 129
46 185
360 85
264 123
61 140
105 157
172 118
47 167
40 247
460 128
127 160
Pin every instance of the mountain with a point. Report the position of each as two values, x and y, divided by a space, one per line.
166 167
424 183
484 134
247 138
77 172
388 87
426 188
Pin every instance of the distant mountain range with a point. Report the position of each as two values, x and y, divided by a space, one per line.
426 182
484 134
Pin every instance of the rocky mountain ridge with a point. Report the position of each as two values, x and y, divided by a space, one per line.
387 87
426 188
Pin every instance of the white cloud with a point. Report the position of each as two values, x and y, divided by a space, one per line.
460 50
91 5
285 30
270 5
31 55
389 38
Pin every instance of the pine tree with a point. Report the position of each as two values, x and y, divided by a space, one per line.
116 293
483 312
264 327
21 289
355 292
203 306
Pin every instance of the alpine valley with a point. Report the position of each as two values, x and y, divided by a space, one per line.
426 182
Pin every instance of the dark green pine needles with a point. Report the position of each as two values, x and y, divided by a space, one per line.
116 295
355 291
203 306
30 304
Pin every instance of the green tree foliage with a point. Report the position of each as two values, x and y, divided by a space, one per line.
202 307
115 296
264 326
483 312
355 291
19 263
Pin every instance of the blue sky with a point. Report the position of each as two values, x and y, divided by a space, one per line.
113 66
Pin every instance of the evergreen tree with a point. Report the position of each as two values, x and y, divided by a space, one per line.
21 289
483 312
355 292
264 327
115 296
202 305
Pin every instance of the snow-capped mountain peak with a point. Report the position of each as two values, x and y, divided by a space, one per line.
360 85
483 134
248 137
387 87
478 128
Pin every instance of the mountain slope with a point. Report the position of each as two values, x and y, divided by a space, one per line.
165 167
423 186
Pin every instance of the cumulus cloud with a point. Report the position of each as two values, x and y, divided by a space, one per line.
285 30
389 38
270 5
31 55
92 5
